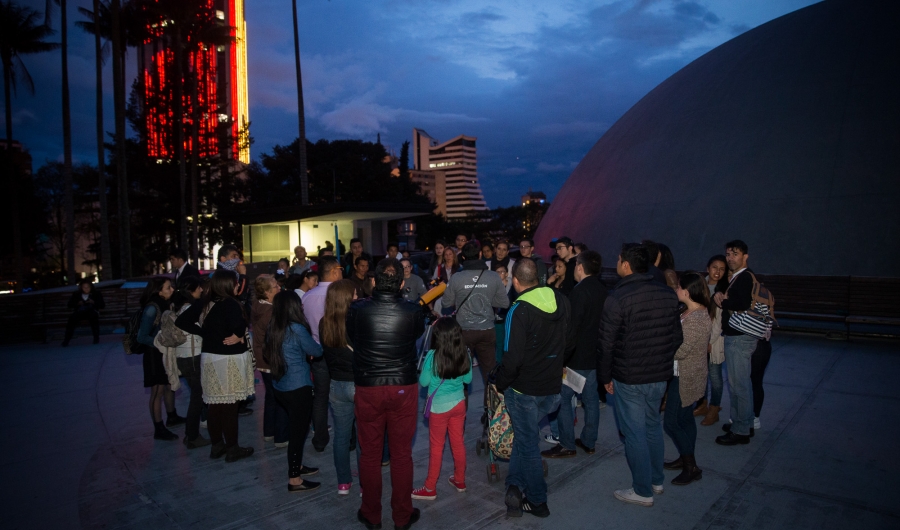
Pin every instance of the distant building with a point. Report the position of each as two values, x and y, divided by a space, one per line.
533 197
458 162
434 186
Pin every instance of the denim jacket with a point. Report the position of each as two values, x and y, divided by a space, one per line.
298 344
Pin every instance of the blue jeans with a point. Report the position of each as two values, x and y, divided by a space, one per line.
637 412
679 421
716 385
525 469
275 416
738 352
590 400
342 410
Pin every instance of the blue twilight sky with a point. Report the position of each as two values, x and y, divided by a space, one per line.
537 82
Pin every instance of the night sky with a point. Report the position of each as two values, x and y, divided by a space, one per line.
536 82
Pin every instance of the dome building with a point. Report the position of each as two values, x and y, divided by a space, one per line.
787 136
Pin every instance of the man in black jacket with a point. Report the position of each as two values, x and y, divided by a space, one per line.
739 346
639 334
587 299
383 330
85 304
182 268
538 335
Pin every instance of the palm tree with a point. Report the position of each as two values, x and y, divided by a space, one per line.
119 44
301 115
19 35
92 26
67 135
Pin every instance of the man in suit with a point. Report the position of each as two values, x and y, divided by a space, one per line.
181 267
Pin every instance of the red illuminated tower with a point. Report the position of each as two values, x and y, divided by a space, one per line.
221 72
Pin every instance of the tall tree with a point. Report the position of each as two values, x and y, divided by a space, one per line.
119 52
19 35
93 26
67 133
301 114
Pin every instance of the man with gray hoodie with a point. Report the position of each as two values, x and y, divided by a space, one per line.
474 292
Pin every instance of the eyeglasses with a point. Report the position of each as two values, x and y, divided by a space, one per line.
560 247
524 246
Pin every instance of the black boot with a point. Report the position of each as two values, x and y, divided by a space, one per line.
678 463
161 433
689 471
173 419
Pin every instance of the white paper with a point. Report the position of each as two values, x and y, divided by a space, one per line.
574 380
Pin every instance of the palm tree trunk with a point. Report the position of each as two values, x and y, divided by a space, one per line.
301 115
12 184
195 148
179 134
67 148
121 173
105 251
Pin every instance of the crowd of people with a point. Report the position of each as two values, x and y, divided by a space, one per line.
344 335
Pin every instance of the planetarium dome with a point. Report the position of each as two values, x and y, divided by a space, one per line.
787 136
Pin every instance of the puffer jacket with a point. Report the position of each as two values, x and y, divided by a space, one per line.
383 330
640 330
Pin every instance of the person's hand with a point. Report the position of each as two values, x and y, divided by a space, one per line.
232 340
718 298
609 388
241 268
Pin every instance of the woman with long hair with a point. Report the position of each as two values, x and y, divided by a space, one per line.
288 344
689 382
187 357
275 416
339 359
154 301
437 258
446 369
449 265
715 279
667 265
227 364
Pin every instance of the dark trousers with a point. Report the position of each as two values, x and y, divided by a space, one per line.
758 363
322 385
482 343
679 421
391 409
77 317
299 404
223 423
275 416
190 371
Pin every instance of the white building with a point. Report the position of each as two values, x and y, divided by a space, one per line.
457 159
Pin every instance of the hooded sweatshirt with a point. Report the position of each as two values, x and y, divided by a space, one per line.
537 337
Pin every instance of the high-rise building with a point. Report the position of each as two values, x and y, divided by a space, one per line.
221 95
457 159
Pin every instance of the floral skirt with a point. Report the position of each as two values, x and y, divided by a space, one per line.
227 378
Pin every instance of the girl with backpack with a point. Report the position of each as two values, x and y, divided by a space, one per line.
446 369
226 372
154 301
289 343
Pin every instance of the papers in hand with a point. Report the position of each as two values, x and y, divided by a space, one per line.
573 380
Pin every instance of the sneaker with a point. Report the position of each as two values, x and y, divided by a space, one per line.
558 451
424 494
657 490
550 439
586 449
756 423
236 453
537 510
196 443
733 439
282 444
343 489
268 438
217 450
631 497
203 424
306 485
460 486
513 502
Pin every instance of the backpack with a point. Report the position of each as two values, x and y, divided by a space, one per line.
170 335
129 342
760 318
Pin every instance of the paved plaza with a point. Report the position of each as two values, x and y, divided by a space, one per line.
77 451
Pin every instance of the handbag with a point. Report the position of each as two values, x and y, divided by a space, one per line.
758 320
430 399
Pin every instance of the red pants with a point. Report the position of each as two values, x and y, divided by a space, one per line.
438 426
392 409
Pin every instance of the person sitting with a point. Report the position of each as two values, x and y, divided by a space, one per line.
85 304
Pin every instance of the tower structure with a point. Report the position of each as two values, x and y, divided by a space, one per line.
213 38
457 159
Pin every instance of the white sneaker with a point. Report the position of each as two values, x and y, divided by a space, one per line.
631 497
203 424
550 439
268 438
282 444
658 490
756 423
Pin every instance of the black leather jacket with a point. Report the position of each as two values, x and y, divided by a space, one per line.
383 330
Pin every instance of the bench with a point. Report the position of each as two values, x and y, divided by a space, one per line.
49 322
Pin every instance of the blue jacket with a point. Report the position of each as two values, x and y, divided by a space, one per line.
298 344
